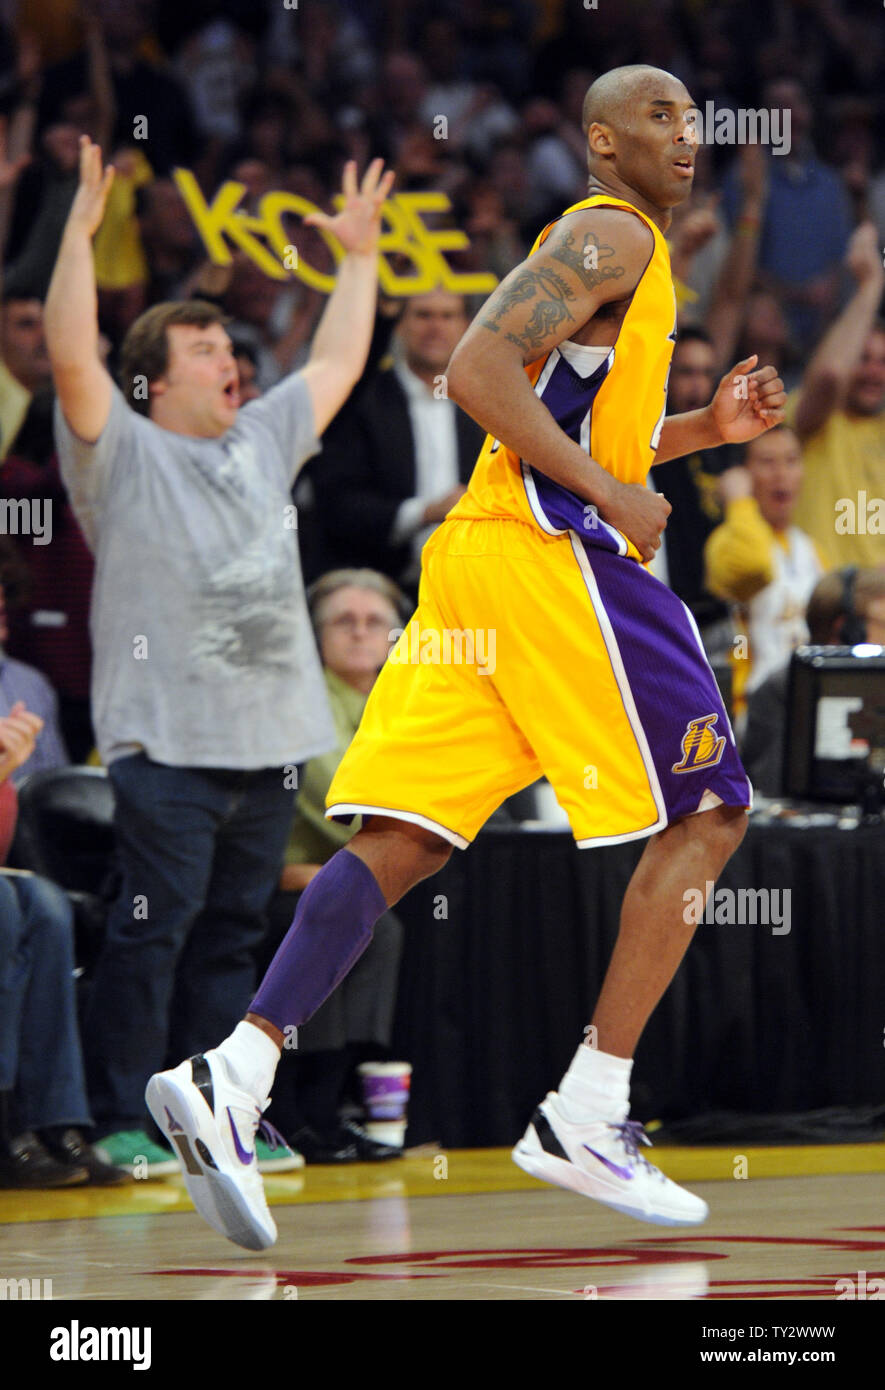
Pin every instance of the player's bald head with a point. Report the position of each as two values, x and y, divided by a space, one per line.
615 97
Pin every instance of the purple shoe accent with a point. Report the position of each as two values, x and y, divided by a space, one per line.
332 927
272 1136
242 1154
632 1135
173 1123
612 1167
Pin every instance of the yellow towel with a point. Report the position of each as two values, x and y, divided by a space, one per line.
119 255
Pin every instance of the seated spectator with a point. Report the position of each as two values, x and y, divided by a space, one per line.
312 544
43 1105
743 320
806 221
246 359
759 560
402 91
215 64
764 330
49 622
494 240
698 244
398 457
24 361
557 175
21 684
354 613
43 199
840 601
877 204
853 149
839 414
169 238
276 318
140 90
690 485
476 113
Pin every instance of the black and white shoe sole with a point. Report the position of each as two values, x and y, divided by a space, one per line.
541 1155
190 1125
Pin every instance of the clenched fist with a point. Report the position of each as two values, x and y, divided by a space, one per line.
638 513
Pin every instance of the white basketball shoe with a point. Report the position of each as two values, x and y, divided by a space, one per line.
212 1124
603 1161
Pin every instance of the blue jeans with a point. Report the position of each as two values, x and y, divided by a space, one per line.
40 1056
200 852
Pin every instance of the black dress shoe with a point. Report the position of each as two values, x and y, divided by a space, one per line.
70 1148
347 1143
368 1148
24 1162
327 1147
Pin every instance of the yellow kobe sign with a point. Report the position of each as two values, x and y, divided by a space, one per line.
262 237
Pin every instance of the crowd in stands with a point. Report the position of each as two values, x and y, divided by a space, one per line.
771 545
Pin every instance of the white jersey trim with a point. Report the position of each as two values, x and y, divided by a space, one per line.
347 808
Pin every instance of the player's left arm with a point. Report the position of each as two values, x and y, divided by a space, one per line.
748 401
341 343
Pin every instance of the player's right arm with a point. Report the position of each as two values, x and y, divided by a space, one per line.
71 312
590 258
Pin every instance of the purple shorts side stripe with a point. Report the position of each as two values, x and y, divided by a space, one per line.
684 734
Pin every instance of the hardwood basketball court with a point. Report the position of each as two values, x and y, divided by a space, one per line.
468 1225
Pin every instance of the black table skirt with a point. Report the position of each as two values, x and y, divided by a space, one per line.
506 950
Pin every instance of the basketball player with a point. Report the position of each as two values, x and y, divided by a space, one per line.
597 663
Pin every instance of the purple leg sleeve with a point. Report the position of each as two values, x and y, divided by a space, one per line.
332 927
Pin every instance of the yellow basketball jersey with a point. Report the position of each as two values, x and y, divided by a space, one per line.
613 407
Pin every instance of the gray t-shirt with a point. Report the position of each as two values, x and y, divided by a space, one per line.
203 650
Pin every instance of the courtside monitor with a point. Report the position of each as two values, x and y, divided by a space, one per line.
834 748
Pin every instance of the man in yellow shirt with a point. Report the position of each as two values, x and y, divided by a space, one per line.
839 415
760 561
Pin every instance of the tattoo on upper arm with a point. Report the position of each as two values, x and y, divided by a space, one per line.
546 315
585 260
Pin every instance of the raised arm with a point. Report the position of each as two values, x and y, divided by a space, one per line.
739 554
17 140
546 299
839 351
71 311
739 267
341 342
101 84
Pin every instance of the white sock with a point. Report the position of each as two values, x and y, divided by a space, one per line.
596 1086
251 1058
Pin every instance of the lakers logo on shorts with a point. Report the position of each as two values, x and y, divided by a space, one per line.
700 746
